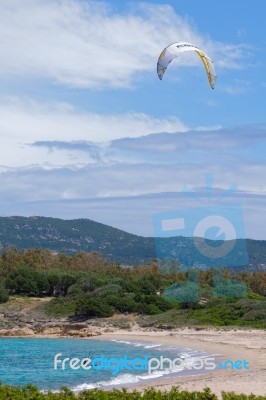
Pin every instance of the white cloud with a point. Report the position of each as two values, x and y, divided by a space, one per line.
93 190
126 196
236 88
26 121
86 44
241 33
134 214
238 144
123 179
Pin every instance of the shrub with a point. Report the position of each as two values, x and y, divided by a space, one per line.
89 306
30 392
3 294
122 304
23 280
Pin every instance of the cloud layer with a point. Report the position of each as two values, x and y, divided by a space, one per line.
156 163
23 121
88 45
65 153
125 181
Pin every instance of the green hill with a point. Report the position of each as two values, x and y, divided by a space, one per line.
72 236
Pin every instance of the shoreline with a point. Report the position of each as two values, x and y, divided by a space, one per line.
234 344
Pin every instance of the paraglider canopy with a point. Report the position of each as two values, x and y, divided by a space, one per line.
175 49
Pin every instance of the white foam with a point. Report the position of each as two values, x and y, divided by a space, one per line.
125 379
121 341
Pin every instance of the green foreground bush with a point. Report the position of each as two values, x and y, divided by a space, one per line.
30 392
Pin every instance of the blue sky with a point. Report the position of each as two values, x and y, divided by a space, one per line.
88 130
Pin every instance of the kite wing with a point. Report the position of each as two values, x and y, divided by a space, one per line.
175 49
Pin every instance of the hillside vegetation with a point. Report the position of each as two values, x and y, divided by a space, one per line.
85 286
84 235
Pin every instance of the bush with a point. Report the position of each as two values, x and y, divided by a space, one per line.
60 307
23 280
3 294
89 306
122 304
110 289
150 309
182 291
30 392
230 289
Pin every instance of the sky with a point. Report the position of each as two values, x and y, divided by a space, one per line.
87 130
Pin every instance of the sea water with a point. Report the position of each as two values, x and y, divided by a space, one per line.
27 360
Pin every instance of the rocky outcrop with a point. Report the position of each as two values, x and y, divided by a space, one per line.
16 332
49 332
15 326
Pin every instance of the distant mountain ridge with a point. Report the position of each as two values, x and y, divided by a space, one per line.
77 235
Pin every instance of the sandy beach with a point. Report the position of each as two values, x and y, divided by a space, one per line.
235 344
232 344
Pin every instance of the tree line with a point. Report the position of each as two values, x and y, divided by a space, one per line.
86 285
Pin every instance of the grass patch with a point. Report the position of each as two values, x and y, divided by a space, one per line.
60 307
218 312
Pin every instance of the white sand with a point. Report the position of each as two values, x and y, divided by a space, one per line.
233 344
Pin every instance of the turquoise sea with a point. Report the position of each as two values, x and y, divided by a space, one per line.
26 360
